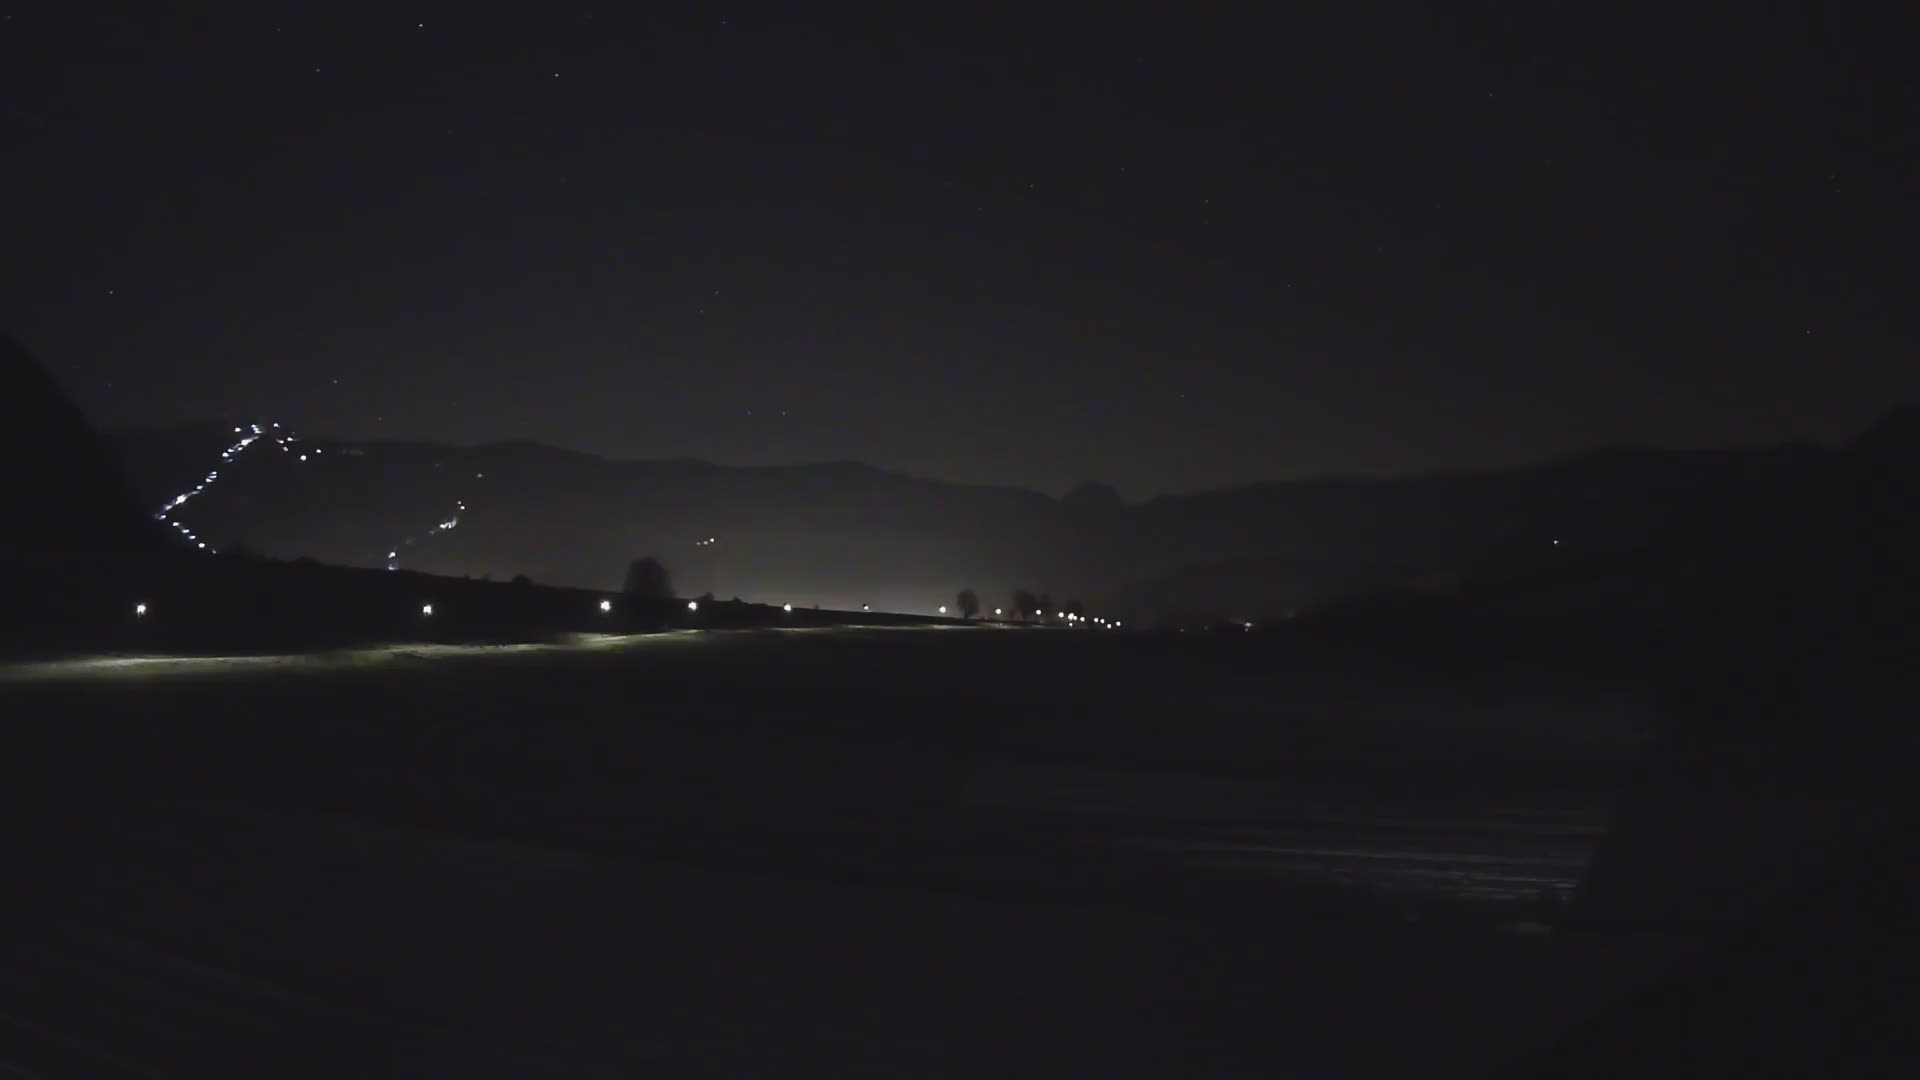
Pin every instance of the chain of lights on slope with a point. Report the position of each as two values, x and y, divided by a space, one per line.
446 526
253 433
249 435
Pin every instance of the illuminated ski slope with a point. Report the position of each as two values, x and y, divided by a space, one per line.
249 435
273 434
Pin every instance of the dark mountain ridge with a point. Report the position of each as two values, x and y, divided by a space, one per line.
845 533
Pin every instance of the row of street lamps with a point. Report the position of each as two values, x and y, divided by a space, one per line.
141 609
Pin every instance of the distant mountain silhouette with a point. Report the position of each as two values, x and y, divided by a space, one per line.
1093 497
1895 437
846 533
69 502
73 534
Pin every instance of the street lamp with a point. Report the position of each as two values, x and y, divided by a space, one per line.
426 610
693 605
606 606
788 608
139 611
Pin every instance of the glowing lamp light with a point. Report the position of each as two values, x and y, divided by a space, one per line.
866 607
943 609
788 608
139 611
606 605
693 605
996 611
426 609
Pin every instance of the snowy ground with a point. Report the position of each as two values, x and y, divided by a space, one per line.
860 852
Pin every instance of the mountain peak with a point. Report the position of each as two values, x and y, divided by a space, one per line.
1093 496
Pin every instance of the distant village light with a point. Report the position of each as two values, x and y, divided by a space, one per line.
139 610
693 605
606 605
426 609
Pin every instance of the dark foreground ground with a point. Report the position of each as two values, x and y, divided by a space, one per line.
925 852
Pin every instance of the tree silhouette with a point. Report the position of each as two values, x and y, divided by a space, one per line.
969 603
647 580
1026 605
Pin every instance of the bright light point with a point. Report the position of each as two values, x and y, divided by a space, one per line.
1059 614
996 611
303 457
393 554
866 607
943 609
139 609
426 609
787 608
606 605
203 546
693 605
1556 543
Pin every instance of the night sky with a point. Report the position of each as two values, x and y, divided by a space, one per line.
1002 244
